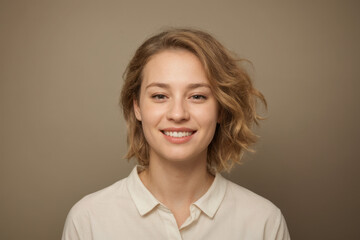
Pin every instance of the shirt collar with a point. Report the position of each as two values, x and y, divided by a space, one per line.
141 196
209 203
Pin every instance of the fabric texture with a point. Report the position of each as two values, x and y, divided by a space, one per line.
127 210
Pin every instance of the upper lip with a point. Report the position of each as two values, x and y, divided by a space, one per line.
174 129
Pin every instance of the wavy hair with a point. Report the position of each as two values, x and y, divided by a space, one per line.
229 82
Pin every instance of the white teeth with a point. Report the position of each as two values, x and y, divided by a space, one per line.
177 134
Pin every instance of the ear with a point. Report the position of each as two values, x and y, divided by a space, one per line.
137 110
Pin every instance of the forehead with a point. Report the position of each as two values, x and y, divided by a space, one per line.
174 66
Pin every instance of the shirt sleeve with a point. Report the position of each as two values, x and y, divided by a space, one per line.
70 232
280 231
77 224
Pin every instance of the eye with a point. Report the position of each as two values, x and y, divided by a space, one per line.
158 97
198 97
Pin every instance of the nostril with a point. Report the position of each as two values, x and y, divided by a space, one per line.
178 114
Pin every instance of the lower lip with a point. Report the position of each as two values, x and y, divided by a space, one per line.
178 140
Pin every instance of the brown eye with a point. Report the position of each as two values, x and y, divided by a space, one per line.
159 96
198 97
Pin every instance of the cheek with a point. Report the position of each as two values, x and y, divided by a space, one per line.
149 109
151 113
209 115
207 118
212 119
211 127
151 117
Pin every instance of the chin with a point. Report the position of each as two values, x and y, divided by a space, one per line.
179 156
176 158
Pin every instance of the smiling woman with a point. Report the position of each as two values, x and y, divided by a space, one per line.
180 125
189 109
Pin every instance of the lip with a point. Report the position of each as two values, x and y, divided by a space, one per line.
178 140
182 129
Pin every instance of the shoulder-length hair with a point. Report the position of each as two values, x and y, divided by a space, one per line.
229 82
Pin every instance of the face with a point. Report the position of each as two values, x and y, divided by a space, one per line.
177 108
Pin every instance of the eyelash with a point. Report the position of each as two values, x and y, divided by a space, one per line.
196 97
158 96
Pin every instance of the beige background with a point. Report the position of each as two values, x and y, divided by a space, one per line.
62 135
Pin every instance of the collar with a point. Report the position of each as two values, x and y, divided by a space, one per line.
145 202
210 202
141 196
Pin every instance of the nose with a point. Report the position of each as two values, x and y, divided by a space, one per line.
178 111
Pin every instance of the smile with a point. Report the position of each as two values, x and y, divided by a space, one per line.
177 134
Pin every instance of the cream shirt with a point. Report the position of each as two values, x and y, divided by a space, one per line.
127 210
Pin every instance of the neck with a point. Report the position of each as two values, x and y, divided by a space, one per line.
177 185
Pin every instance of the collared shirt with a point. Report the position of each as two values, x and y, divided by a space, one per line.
127 210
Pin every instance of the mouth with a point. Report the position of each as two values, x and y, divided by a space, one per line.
177 134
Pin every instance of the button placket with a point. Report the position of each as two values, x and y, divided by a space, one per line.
170 223
194 215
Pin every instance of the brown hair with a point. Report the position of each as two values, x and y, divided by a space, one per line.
230 84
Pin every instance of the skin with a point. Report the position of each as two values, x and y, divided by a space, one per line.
175 97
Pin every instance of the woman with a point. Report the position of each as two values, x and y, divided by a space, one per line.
189 109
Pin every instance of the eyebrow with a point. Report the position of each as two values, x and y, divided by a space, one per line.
156 84
167 86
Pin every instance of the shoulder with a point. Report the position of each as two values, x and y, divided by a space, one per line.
254 212
98 205
100 200
247 204
244 195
